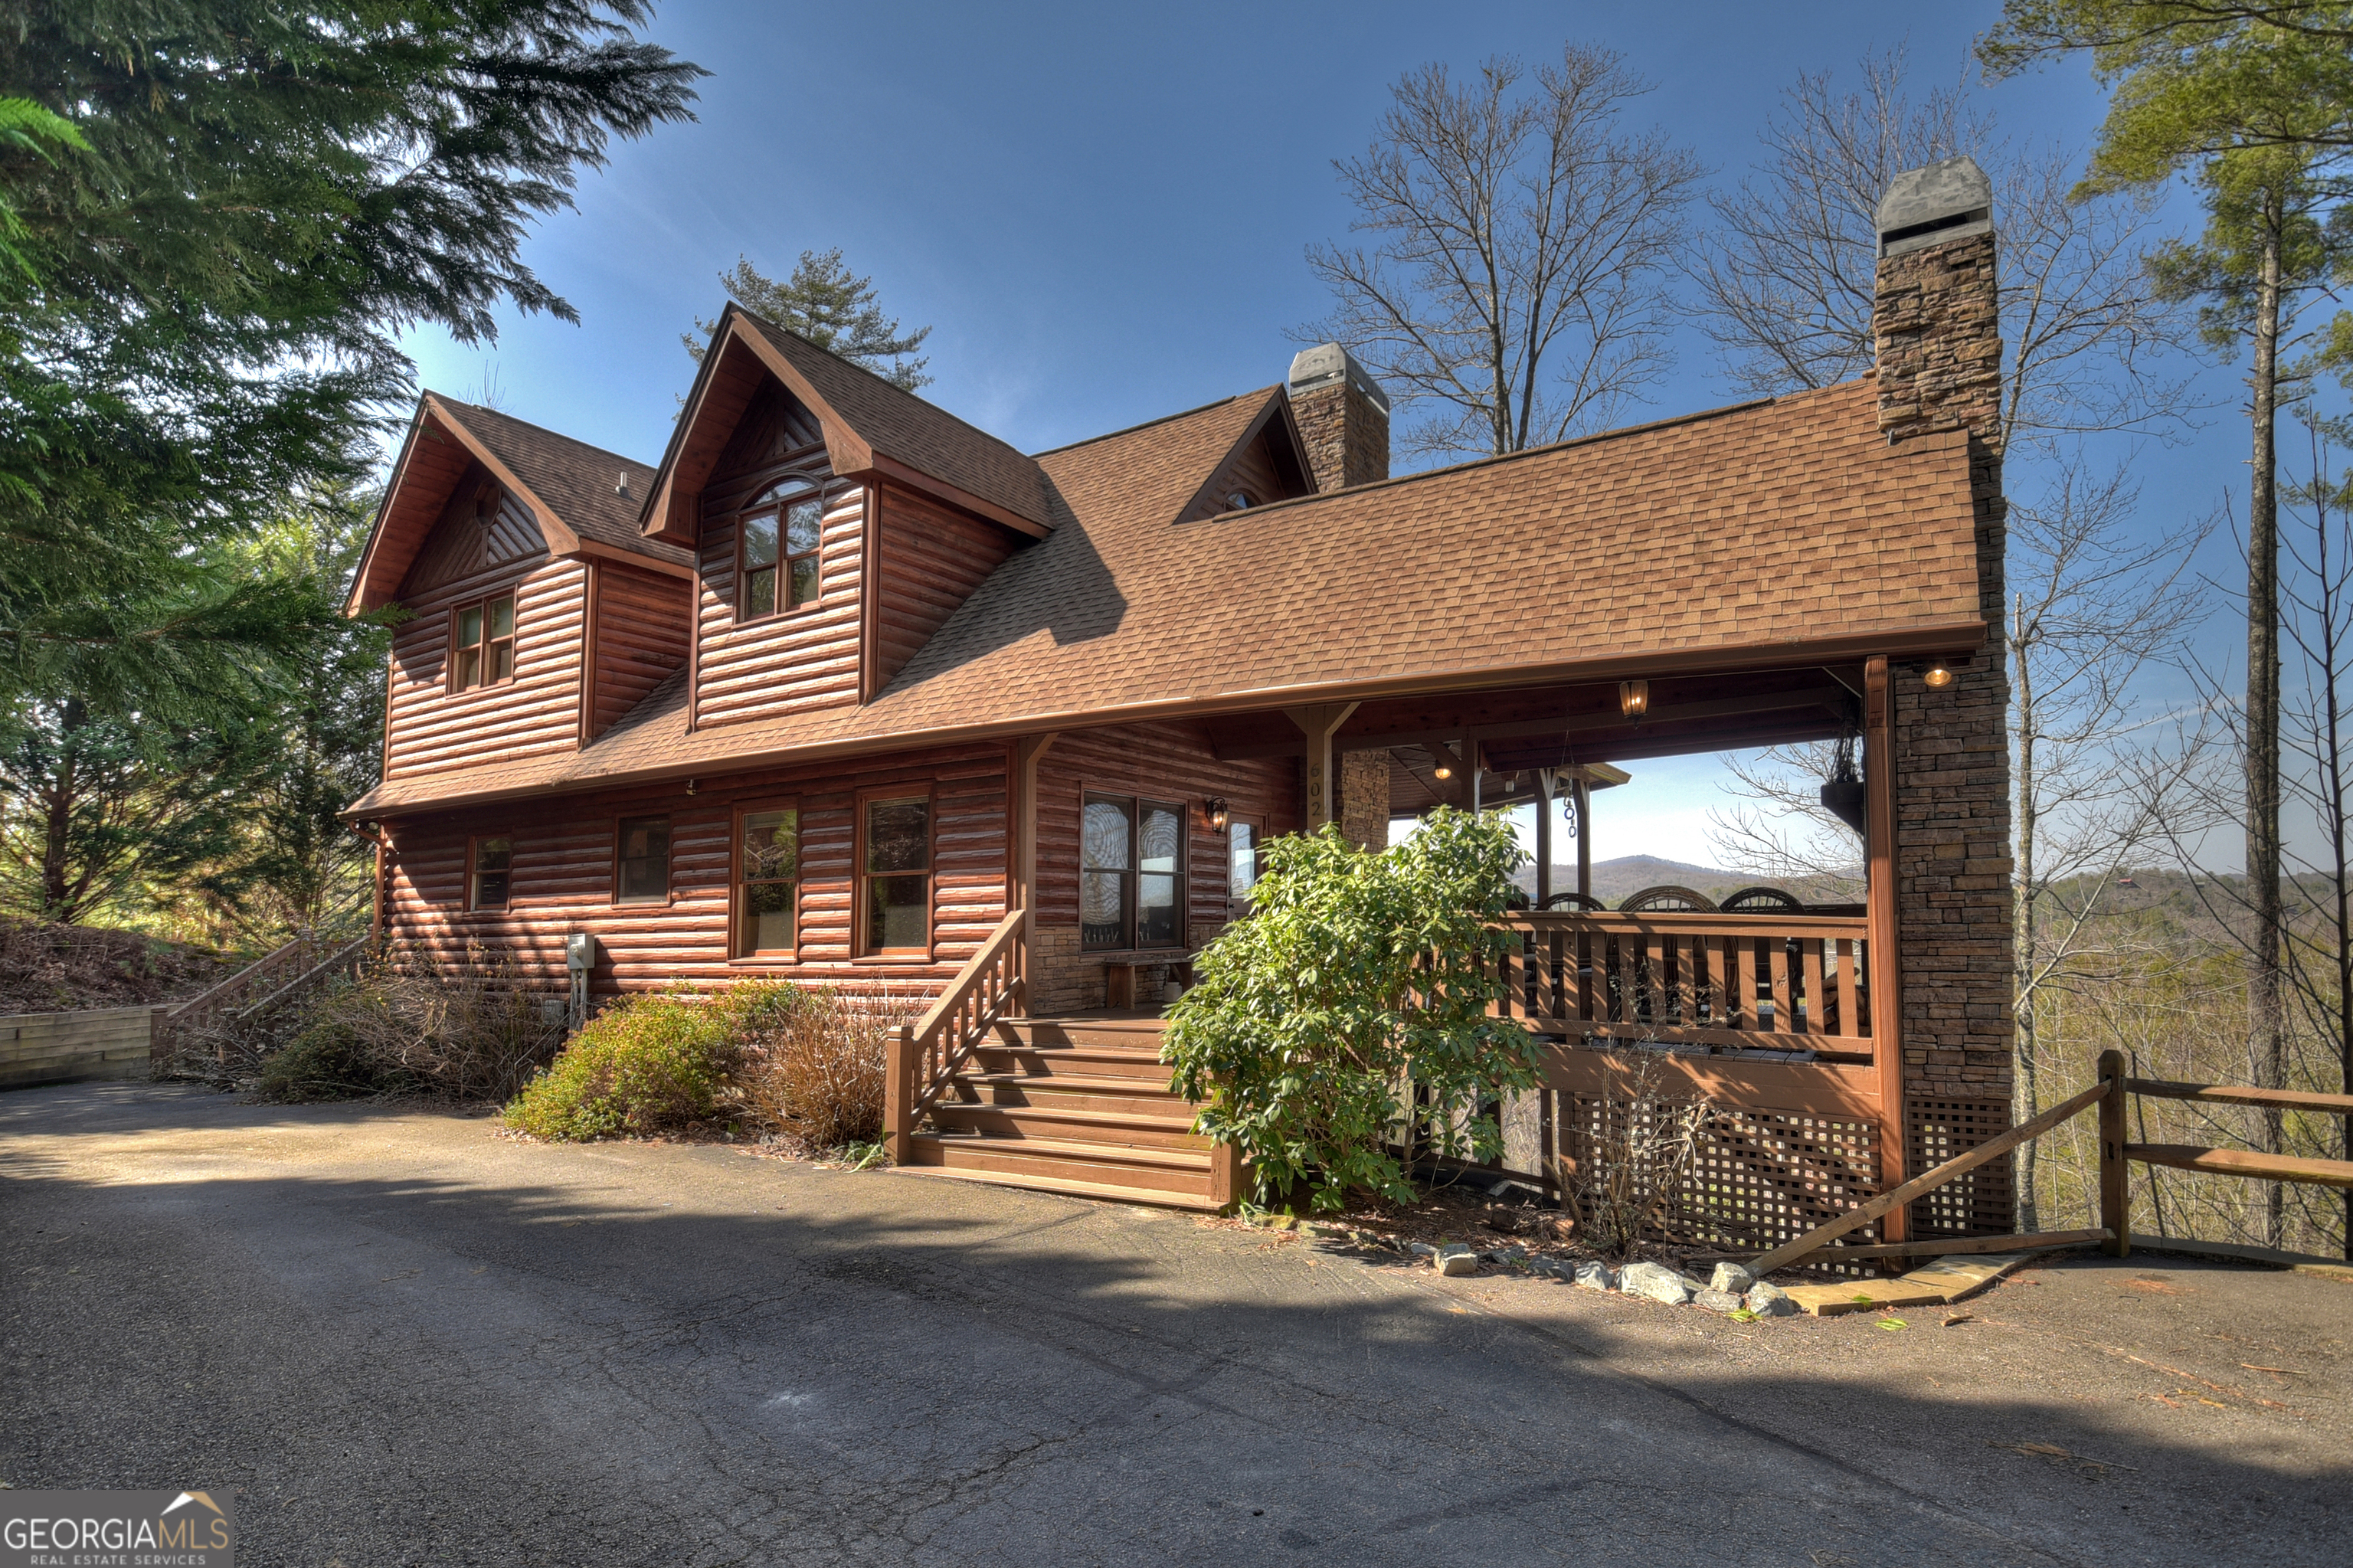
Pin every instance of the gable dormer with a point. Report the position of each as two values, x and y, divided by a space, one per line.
524 630
836 522
1268 464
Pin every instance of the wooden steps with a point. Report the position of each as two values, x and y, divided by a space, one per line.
1072 1105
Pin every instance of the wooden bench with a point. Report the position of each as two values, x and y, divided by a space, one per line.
1119 971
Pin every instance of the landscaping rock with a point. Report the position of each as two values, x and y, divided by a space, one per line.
1597 1276
1732 1279
1422 1249
1658 1282
1553 1267
1506 1256
1717 1301
1770 1301
1453 1263
1449 1249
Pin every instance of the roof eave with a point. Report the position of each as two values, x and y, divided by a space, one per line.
1946 640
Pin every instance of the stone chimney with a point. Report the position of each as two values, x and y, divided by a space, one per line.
1937 325
1342 416
1935 318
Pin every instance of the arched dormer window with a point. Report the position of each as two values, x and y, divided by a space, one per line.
777 534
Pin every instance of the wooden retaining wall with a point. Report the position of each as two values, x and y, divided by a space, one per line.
72 1047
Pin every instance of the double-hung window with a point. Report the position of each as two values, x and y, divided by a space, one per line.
1131 873
768 877
489 865
780 530
894 875
641 865
482 639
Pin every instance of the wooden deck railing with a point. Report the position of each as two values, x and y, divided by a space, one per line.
925 1055
1772 982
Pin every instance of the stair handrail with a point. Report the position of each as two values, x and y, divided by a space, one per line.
925 1055
343 958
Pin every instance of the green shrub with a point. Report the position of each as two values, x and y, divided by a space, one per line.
1356 980
651 1064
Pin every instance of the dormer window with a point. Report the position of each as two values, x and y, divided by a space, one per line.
482 643
780 531
1237 500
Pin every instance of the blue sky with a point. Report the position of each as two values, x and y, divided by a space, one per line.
1102 210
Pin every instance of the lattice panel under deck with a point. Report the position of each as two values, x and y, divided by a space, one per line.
1758 1178
1983 1202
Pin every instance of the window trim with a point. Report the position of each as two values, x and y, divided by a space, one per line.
736 883
927 792
466 888
669 863
1256 825
784 562
1132 916
514 642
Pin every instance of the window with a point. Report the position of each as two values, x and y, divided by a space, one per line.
1131 873
1237 500
642 876
1242 865
483 635
488 864
894 875
780 531
767 874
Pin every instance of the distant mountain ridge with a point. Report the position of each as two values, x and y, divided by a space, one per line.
1614 880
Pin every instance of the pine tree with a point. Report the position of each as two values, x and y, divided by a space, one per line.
832 306
2250 101
211 288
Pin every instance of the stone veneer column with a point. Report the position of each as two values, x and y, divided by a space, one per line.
1364 799
1938 328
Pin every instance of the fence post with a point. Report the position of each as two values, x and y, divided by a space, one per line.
2116 1191
899 1092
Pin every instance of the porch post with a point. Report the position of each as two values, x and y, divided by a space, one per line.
1583 790
1544 781
1319 725
1880 913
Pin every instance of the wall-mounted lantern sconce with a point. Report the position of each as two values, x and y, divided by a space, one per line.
1215 809
1937 676
1633 698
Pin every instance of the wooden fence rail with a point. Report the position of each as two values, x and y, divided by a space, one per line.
2110 1095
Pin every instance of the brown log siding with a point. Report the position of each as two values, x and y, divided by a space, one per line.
563 876
641 634
790 661
930 560
429 728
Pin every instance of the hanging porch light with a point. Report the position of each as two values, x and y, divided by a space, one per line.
1633 698
1937 676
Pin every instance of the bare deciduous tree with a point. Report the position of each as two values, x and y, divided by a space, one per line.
1785 280
1512 289
2091 609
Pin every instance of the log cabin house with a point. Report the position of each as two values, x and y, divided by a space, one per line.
846 691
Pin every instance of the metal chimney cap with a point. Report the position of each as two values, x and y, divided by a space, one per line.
1327 363
1928 206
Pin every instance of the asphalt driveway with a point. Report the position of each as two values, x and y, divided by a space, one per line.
400 1339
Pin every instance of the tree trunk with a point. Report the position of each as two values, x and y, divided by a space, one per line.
2028 1082
2267 1035
58 802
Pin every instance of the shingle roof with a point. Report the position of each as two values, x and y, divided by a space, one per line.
896 423
572 477
1739 535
